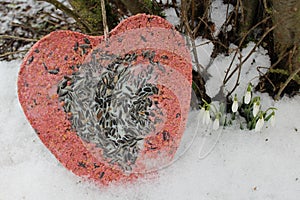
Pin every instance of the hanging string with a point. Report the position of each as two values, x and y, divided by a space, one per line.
104 20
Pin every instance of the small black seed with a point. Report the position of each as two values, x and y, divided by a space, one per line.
67 78
81 164
96 166
87 41
147 89
76 46
150 69
85 46
66 58
166 135
83 51
101 175
45 66
177 115
37 51
54 71
143 38
164 57
72 67
37 132
161 68
146 54
30 59
152 55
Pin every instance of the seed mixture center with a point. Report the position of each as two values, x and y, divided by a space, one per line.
112 104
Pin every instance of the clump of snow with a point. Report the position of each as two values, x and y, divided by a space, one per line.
249 70
218 13
204 49
171 16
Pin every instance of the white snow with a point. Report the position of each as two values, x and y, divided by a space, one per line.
218 13
249 70
227 164
171 16
242 165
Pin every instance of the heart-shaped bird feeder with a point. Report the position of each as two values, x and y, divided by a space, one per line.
114 109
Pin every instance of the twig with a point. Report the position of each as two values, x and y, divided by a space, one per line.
291 54
266 77
287 82
175 8
204 43
104 20
198 65
71 13
11 53
281 57
18 38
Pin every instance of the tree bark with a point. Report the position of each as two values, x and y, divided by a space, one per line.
286 15
249 14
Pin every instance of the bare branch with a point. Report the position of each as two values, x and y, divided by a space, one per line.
11 53
17 38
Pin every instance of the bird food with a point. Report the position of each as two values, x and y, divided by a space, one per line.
109 110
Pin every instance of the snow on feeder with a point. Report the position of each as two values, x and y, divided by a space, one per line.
109 110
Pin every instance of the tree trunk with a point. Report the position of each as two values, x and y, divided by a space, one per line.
283 76
249 15
286 15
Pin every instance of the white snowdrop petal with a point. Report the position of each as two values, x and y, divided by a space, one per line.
272 120
259 124
255 109
206 118
247 97
216 124
234 106
202 111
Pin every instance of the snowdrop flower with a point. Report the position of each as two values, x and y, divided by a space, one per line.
202 111
259 124
206 117
235 105
247 97
216 124
272 119
256 108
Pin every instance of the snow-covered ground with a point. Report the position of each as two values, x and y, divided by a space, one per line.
242 165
